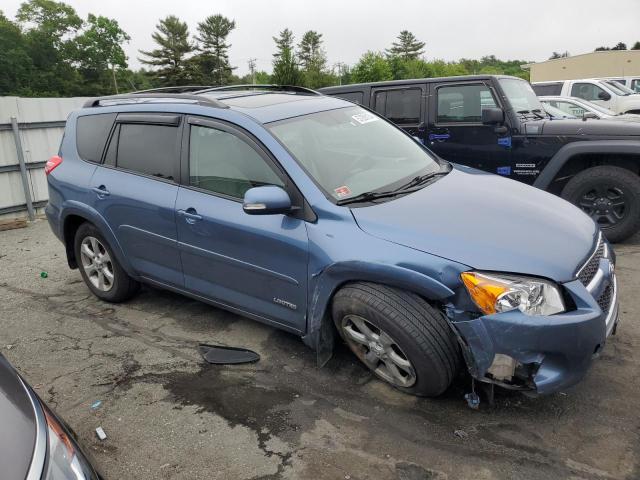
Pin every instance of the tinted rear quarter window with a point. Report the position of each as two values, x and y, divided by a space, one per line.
148 149
400 106
92 132
547 89
355 97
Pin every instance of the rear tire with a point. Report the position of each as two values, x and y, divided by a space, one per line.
99 267
609 195
391 330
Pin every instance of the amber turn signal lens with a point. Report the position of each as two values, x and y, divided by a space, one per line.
483 291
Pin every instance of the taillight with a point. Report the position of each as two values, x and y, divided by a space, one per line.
52 163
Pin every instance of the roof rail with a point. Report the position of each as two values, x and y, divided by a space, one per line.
263 87
176 89
133 98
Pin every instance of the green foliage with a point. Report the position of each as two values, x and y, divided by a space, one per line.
16 66
636 46
408 47
313 61
285 63
171 58
372 67
213 59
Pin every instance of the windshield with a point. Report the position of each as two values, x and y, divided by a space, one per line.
351 151
520 95
618 89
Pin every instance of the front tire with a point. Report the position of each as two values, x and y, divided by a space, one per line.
398 336
609 195
99 267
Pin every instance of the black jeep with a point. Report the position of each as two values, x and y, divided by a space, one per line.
497 124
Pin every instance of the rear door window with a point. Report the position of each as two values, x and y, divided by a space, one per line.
401 106
463 103
547 89
92 132
148 149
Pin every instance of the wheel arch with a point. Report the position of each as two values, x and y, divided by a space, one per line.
320 334
577 156
75 215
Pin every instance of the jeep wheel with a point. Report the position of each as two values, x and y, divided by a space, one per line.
398 336
609 195
99 267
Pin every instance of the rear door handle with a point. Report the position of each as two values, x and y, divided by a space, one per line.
190 215
101 191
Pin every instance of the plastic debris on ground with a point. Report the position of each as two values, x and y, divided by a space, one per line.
44 274
101 434
222 355
96 404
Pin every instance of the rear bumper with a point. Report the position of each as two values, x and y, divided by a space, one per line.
551 352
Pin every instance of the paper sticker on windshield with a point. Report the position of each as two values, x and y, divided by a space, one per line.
364 117
343 191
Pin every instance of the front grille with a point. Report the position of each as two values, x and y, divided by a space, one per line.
605 299
591 267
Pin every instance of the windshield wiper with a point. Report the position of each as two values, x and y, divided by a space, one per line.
420 179
369 196
538 113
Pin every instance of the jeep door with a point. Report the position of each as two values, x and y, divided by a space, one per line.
254 263
404 105
135 191
455 130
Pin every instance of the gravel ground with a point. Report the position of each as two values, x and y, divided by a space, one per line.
167 415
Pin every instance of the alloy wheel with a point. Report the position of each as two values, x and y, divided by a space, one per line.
97 263
378 351
606 204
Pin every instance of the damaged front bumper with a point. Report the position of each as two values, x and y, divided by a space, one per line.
542 354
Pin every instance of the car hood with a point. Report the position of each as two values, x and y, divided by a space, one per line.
488 223
17 418
570 127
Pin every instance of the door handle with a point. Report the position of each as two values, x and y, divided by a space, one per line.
439 137
190 215
101 191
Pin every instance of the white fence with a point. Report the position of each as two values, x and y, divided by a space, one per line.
30 133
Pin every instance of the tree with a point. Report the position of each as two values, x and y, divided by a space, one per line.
213 60
172 57
602 49
99 49
15 63
313 60
285 64
556 55
408 47
372 67
49 28
620 46
636 46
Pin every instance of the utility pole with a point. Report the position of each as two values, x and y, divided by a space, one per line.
252 69
339 65
115 82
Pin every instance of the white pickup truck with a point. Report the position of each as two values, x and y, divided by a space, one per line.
607 93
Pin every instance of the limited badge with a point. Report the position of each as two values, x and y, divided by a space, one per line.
343 191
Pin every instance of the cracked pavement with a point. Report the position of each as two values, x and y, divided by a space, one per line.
168 415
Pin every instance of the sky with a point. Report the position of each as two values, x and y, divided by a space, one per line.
451 29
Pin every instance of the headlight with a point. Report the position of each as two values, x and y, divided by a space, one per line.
65 460
501 293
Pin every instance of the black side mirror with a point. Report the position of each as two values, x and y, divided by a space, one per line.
588 115
604 96
492 116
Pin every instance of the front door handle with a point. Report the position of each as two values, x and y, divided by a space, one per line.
190 215
101 191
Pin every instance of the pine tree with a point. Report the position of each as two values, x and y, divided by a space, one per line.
636 46
313 59
172 56
285 63
213 61
620 46
408 47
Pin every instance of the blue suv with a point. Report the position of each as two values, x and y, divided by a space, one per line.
317 216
